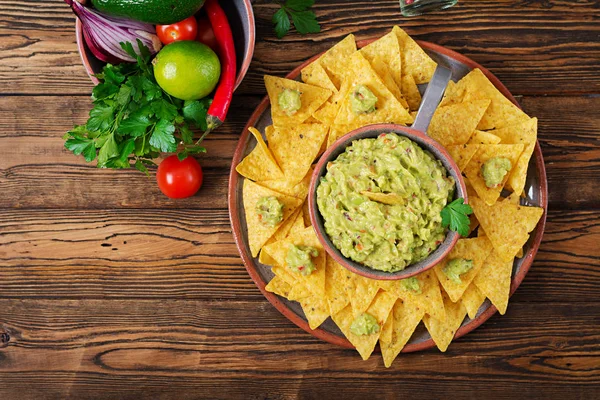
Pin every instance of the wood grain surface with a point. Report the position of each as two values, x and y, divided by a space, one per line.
109 290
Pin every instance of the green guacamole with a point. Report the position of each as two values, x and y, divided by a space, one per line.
269 210
494 170
385 237
289 101
456 267
299 259
364 324
362 100
412 283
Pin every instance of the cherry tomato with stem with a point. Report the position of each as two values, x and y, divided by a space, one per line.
182 30
179 179
206 34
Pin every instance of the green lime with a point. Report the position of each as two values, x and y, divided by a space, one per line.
187 70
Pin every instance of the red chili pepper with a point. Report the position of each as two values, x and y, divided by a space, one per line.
220 26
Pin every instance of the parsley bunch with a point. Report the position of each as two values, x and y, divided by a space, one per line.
304 19
133 119
456 216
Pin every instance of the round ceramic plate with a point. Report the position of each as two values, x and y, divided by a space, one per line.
535 191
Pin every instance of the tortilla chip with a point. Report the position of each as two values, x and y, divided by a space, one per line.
335 290
454 124
266 259
306 214
259 233
494 280
501 112
442 333
481 137
398 329
365 291
285 274
486 152
510 235
311 97
524 133
462 154
513 198
473 224
285 186
388 108
279 287
385 198
384 73
296 147
316 310
410 91
414 59
298 224
314 74
259 165
284 228
380 309
299 292
315 282
476 249
472 299
335 60
453 94
335 133
430 297
387 49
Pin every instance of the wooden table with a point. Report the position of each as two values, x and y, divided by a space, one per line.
110 290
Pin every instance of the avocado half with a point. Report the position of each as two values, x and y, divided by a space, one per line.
158 12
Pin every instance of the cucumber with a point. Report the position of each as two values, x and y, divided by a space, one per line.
159 12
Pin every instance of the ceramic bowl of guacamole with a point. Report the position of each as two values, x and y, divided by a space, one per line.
375 200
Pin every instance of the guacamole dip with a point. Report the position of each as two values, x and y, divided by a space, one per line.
269 210
385 237
299 259
363 100
456 267
364 324
289 101
494 170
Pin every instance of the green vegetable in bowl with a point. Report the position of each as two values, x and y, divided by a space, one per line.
133 120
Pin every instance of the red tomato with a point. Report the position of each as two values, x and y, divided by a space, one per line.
182 30
206 34
179 179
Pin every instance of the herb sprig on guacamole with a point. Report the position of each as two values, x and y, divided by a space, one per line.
456 216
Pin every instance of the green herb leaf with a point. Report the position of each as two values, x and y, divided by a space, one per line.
101 118
164 109
139 165
455 215
282 23
305 22
82 146
299 5
135 125
303 18
109 150
195 112
162 137
187 136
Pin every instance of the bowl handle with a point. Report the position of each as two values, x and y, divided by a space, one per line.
433 94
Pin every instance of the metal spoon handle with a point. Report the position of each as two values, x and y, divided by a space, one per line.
433 94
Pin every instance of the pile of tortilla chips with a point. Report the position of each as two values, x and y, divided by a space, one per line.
474 121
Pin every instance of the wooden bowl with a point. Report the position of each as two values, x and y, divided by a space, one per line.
241 20
373 131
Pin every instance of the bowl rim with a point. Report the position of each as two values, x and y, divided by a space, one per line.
422 140
241 73
329 337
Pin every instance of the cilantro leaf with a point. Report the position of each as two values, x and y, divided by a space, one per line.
162 137
83 146
304 19
139 165
135 125
305 22
282 23
101 118
455 215
187 136
109 150
195 112
164 109
299 5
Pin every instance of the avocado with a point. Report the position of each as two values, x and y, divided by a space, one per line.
159 12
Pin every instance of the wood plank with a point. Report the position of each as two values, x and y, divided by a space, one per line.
533 47
37 172
171 349
191 254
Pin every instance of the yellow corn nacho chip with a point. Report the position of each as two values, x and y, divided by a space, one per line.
455 123
279 287
296 147
284 229
410 91
513 198
380 309
311 98
363 294
462 154
316 310
427 298
510 235
314 74
265 259
453 94
414 59
285 186
335 290
299 292
259 233
476 250
442 333
335 60
388 108
315 282
481 137
285 274
501 112
494 280
401 323
472 299
259 165
485 153
387 49
386 77
524 133
384 198
298 224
